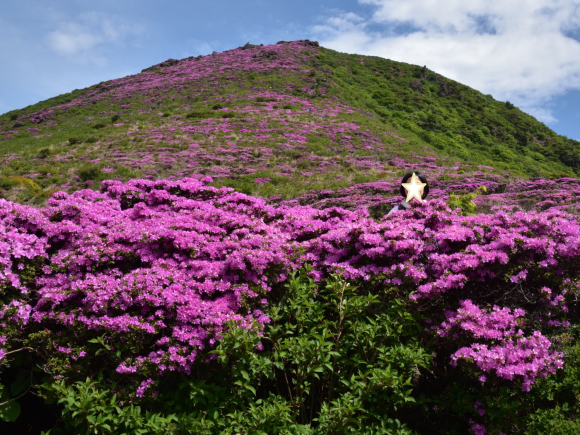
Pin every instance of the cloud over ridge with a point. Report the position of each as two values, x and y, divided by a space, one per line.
523 51
81 39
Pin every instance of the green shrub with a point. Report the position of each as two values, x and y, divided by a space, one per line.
115 118
503 154
465 202
335 360
243 184
555 403
199 114
265 99
553 422
6 183
557 175
217 107
30 186
477 137
98 125
73 140
438 143
46 169
55 180
344 359
91 139
427 136
22 135
377 211
43 153
537 156
41 197
89 408
123 172
89 171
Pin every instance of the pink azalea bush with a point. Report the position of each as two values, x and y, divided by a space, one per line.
509 353
152 271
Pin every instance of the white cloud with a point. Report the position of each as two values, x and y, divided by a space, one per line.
84 38
72 39
541 113
196 47
515 50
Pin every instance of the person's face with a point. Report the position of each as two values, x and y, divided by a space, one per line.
420 190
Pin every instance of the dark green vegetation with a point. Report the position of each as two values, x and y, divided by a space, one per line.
333 360
451 117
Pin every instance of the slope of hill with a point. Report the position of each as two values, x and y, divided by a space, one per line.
277 121
170 304
452 117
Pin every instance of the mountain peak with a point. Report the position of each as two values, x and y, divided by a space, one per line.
284 121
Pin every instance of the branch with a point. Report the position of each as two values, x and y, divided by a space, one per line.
18 350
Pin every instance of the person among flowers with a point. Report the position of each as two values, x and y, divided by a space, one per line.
413 185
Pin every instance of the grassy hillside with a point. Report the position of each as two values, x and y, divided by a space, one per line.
451 117
277 122
170 304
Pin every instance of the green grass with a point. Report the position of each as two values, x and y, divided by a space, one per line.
452 118
437 117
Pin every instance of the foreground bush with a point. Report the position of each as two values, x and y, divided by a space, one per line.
330 361
142 281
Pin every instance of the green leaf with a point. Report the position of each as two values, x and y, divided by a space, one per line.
18 387
10 411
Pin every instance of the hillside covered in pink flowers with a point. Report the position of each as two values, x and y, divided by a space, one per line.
282 121
204 248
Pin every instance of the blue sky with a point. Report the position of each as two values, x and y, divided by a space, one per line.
524 51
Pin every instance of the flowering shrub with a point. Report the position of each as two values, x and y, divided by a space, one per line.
325 364
511 355
143 281
143 277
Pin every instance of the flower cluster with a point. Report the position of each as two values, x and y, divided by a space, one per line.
507 353
161 266
524 358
